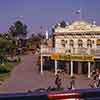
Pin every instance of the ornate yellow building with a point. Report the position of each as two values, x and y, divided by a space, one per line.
77 44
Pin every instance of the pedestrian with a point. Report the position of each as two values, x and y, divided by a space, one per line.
98 80
95 79
93 72
58 82
95 75
72 84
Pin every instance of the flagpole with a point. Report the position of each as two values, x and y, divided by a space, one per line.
81 3
80 14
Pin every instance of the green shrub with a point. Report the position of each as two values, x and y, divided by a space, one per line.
7 67
3 70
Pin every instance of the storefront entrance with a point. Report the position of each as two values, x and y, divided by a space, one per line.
79 67
75 67
84 67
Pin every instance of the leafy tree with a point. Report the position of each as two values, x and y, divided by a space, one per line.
18 33
18 29
36 39
12 31
4 44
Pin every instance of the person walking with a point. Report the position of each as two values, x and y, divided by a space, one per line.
95 75
94 82
98 85
72 84
58 82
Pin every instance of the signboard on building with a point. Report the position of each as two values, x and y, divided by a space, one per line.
72 57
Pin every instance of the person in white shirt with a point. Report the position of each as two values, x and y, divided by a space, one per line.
98 80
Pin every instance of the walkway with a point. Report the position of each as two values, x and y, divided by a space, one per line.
26 77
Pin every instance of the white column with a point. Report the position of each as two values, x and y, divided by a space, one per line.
41 70
89 70
47 36
71 69
55 67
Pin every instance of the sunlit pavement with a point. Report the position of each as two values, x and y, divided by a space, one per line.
25 76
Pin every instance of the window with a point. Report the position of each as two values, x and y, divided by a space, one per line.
89 43
93 41
63 43
71 43
66 41
80 43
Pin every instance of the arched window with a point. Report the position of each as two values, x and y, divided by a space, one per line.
80 43
63 42
71 43
66 41
93 41
89 43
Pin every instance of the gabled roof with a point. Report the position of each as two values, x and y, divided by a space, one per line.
78 26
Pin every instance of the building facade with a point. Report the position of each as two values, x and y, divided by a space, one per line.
77 45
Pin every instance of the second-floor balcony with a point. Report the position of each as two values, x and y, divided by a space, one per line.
76 51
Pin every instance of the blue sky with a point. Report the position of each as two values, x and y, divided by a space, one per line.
35 13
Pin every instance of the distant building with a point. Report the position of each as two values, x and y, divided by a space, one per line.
77 45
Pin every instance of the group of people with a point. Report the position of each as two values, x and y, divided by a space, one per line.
95 78
58 82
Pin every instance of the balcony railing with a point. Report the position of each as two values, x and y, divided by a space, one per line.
84 51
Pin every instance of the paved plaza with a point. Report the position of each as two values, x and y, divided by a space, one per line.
25 76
